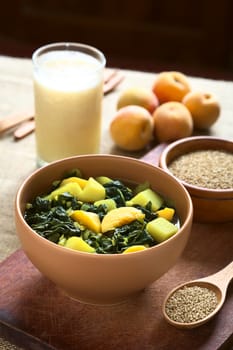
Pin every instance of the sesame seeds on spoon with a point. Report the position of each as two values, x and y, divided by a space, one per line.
196 302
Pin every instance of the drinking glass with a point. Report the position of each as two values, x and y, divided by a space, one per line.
68 93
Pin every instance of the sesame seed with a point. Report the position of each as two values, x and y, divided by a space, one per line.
190 304
205 168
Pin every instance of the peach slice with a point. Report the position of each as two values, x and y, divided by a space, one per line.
119 217
166 213
88 219
134 248
82 182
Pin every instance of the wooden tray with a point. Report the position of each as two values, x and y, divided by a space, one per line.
35 314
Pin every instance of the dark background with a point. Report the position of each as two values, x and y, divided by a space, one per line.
194 37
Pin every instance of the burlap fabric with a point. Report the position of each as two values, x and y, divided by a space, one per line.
4 344
18 158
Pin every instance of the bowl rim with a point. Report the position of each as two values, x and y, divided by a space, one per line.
198 191
54 164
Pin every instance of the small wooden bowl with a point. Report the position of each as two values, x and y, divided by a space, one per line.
210 205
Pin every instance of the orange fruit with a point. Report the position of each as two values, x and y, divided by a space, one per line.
172 121
171 86
138 96
132 128
204 108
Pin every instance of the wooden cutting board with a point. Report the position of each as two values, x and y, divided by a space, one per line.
35 314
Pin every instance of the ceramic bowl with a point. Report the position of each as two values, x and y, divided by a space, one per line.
210 205
108 278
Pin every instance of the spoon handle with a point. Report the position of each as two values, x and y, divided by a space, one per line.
11 121
221 278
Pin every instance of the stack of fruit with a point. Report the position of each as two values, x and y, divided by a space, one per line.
170 110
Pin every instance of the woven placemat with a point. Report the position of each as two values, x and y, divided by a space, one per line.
5 345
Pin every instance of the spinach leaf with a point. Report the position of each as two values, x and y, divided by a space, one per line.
117 191
50 221
118 240
147 210
100 210
67 174
66 201
132 234
73 173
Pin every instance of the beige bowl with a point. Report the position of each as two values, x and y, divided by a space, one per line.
95 278
210 205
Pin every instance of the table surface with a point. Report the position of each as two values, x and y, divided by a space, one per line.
18 157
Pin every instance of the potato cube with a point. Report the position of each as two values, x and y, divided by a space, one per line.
161 229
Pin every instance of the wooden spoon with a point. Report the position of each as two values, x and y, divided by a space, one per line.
217 283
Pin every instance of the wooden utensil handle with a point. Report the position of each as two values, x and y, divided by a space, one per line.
221 278
112 82
10 121
24 130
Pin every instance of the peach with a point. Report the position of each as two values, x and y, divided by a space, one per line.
132 128
138 96
171 86
172 121
204 108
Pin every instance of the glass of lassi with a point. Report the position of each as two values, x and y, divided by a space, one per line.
68 93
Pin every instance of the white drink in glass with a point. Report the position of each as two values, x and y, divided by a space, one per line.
68 90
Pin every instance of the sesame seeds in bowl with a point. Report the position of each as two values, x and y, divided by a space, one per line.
204 165
208 168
